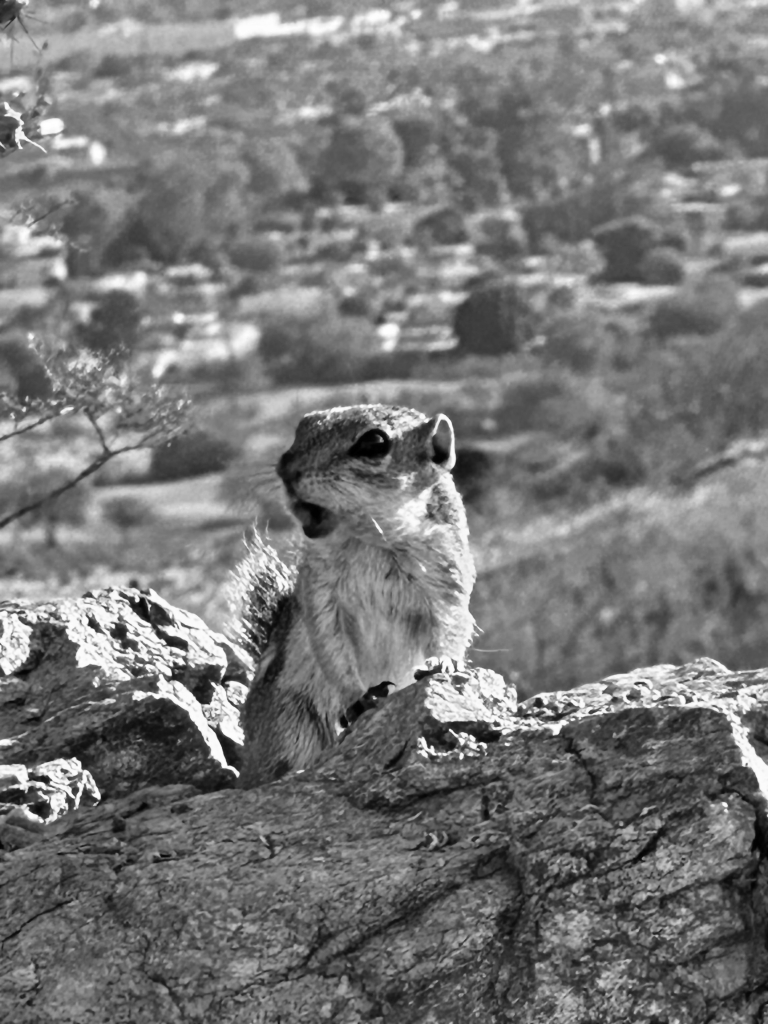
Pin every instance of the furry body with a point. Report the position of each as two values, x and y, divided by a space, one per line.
382 581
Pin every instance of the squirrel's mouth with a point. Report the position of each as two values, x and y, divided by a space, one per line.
315 520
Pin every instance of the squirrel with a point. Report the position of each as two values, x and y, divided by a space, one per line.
381 584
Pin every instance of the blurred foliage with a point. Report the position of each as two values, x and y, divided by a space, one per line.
362 160
560 404
662 265
625 244
193 453
111 411
649 579
35 487
331 348
496 317
700 307
113 329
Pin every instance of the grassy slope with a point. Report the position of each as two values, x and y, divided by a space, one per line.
643 579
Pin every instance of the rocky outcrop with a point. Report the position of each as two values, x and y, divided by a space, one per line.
141 693
596 855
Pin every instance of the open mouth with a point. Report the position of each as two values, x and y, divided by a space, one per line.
315 520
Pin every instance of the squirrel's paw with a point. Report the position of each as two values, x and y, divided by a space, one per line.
368 702
434 666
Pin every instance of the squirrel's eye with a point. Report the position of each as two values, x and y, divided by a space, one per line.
374 444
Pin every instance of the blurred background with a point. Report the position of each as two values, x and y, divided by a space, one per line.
547 219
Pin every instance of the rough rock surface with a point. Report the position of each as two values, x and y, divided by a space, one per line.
140 692
31 798
596 855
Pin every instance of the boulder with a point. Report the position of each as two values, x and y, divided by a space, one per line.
591 855
138 691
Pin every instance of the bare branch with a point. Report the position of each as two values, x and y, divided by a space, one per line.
17 432
93 420
96 465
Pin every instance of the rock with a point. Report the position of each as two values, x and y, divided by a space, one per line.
595 855
32 798
124 682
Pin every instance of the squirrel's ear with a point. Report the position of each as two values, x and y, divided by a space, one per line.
442 444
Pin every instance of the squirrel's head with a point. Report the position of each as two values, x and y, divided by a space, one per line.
368 468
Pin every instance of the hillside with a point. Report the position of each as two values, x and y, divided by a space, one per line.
546 220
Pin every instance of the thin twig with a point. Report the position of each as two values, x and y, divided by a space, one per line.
57 491
30 426
96 426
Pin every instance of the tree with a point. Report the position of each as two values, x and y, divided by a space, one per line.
536 150
274 171
171 211
50 384
680 145
625 244
702 307
115 412
189 200
363 159
23 372
662 265
418 133
114 326
89 222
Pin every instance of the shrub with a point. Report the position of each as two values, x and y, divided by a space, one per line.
500 237
697 395
662 265
258 255
114 326
192 454
330 349
521 407
575 216
680 145
625 243
274 171
745 215
701 307
473 474
90 222
189 200
418 133
574 339
22 372
494 318
357 304
128 512
38 480
114 65
444 226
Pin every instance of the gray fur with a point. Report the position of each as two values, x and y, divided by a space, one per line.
381 583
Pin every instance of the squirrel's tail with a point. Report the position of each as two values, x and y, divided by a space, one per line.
261 585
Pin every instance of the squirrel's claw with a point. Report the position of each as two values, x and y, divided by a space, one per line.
368 702
434 666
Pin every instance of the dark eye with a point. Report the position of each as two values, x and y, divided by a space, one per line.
374 444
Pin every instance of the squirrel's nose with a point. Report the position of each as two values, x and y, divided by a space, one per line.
284 467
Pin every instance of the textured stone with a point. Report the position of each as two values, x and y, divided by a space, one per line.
598 855
119 679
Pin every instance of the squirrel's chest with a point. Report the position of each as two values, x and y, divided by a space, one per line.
387 612
375 581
